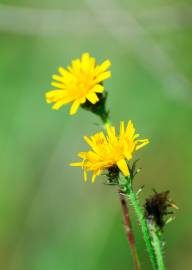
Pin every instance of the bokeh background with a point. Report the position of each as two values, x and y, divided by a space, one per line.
50 219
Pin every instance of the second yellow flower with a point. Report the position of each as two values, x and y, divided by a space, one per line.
110 150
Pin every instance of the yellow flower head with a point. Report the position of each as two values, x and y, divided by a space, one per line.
110 150
79 82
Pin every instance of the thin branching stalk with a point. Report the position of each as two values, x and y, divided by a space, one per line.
142 221
129 232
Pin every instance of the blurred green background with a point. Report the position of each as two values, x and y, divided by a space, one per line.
50 219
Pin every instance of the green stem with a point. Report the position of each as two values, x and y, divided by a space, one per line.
156 238
142 221
106 123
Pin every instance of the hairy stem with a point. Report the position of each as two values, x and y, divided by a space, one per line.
142 221
156 238
129 232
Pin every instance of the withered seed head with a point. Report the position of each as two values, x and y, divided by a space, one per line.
156 208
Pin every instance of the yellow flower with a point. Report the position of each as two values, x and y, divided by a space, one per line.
79 82
110 150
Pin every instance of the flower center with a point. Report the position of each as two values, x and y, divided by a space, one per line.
82 84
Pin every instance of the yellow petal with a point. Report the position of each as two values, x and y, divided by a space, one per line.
55 98
58 85
85 56
141 143
82 155
105 65
103 76
102 67
58 78
55 95
92 97
130 131
76 164
82 100
74 107
85 175
93 157
93 143
95 174
61 102
98 138
85 61
98 88
136 136
128 155
122 165
57 105
111 134
63 71
88 141
76 64
92 64
122 130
